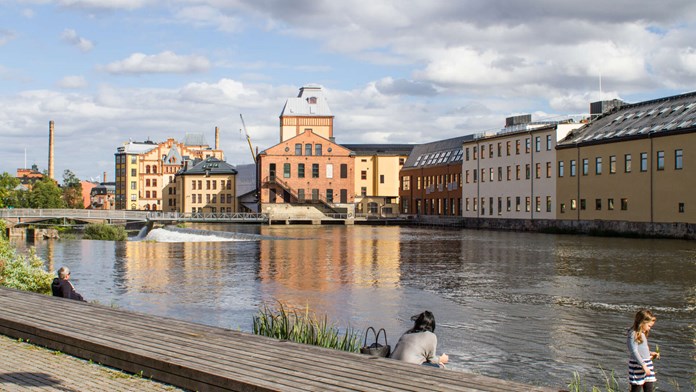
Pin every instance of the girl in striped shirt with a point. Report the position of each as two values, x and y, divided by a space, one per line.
641 374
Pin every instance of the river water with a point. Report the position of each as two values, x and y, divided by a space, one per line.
527 307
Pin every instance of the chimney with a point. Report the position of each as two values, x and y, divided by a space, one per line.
217 138
50 149
104 177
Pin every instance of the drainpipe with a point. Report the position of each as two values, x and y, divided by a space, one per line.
532 146
478 183
577 175
651 159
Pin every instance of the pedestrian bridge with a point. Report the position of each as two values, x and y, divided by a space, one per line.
26 216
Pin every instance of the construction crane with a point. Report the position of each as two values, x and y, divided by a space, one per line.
248 138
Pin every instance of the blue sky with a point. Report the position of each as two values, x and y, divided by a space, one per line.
398 71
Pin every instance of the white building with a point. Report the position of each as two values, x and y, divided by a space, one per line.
512 174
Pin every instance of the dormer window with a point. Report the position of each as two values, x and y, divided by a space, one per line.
312 100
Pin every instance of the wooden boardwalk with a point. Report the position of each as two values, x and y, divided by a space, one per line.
204 358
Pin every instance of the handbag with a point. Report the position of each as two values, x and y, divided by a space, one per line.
376 349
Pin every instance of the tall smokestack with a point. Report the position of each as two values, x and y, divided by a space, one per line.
50 149
104 177
217 138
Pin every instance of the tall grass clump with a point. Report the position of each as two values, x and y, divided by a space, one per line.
103 231
22 272
610 384
303 327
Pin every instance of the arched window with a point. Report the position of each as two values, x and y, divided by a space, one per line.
154 207
154 169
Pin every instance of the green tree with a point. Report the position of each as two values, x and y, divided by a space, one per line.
8 183
46 194
72 190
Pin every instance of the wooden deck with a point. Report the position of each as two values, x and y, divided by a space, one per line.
204 358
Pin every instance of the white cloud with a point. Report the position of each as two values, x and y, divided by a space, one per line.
128 5
72 82
207 16
70 36
165 62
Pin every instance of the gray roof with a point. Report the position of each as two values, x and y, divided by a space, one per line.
437 153
210 165
195 139
173 153
640 120
310 102
137 147
246 178
380 149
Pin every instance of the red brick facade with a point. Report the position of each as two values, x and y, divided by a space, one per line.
304 168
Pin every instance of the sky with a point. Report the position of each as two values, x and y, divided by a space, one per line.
394 71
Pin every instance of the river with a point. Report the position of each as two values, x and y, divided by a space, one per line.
527 307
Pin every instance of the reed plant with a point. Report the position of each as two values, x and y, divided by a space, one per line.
280 322
610 384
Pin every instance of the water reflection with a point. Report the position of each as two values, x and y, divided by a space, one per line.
549 304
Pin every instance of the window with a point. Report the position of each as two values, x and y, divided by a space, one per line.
329 195
537 143
500 206
527 203
610 204
134 159
147 182
214 184
508 145
490 150
527 171
147 194
527 145
517 147
537 202
475 175
286 170
624 204
560 168
315 194
298 148
660 160
500 149
548 142
517 172
483 154
317 150
381 178
643 161
681 208
483 175
154 182
133 173
491 174
573 204
406 183
475 153
678 159
467 153
363 191
344 170
329 170
308 149
466 204
583 204
598 204
585 166
627 163
132 184
517 203
537 171
300 170
315 170
548 169
363 174
509 204
500 173
612 164
562 208
572 167
509 173
548 203
598 165
490 210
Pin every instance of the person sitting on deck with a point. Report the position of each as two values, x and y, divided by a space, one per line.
61 286
418 344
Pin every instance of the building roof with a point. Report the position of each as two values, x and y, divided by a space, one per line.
437 153
246 178
173 157
137 147
640 120
310 102
195 139
210 165
380 149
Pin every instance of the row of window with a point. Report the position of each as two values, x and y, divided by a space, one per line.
492 174
308 148
287 170
197 198
214 210
313 194
453 181
211 184
508 148
627 163
434 206
473 204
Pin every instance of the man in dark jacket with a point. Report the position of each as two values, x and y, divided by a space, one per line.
61 286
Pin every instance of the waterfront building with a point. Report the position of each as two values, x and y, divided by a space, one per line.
511 174
308 111
103 196
28 177
207 187
431 181
631 164
145 170
377 168
87 187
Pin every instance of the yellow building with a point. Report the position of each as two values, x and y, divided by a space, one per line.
209 187
377 168
145 170
631 164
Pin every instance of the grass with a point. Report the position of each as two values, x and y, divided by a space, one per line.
610 383
102 231
20 271
304 327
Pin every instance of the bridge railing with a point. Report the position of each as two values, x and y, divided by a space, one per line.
208 216
72 213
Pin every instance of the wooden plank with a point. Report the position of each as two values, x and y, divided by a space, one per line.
200 357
